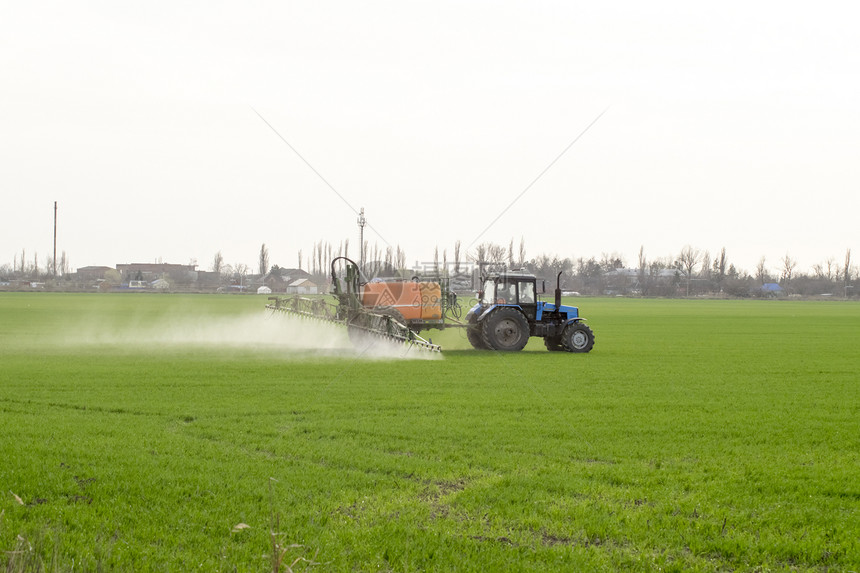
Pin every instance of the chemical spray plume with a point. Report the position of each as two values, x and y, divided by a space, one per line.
290 338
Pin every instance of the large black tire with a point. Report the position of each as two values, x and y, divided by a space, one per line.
553 343
376 322
473 333
390 311
577 337
506 329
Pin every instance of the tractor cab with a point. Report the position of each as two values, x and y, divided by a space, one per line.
511 289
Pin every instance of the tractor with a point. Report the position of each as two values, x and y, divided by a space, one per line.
508 312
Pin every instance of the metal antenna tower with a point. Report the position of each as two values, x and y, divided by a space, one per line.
361 223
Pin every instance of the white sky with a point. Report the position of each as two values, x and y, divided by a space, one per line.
730 124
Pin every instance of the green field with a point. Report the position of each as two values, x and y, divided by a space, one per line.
138 431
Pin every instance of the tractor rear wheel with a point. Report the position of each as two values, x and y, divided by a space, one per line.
577 337
506 329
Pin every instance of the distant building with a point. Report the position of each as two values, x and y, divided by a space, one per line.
94 273
302 286
208 280
771 290
279 279
181 274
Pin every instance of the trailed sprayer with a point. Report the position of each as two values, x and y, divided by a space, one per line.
507 313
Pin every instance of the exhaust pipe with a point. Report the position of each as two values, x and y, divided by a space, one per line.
558 291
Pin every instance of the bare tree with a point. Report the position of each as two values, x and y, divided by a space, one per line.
788 265
824 270
218 263
481 253
64 264
240 271
761 271
495 253
457 257
300 259
818 271
318 256
687 261
400 258
522 258
611 261
846 271
511 253
705 271
720 268
264 260
543 265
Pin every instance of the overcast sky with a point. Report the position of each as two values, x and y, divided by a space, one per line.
726 124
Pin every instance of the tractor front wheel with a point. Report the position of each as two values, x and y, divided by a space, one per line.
506 329
553 343
473 333
577 337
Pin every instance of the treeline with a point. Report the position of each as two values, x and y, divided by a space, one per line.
33 268
378 260
690 272
694 272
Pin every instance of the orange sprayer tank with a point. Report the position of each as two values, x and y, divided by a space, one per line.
415 300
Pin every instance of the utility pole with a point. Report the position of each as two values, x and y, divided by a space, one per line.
55 239
361 223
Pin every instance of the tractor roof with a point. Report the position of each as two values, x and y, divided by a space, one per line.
511 275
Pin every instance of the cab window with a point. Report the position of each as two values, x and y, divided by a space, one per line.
489 292
527 292
508 293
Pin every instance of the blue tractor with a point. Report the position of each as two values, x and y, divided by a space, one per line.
508 313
